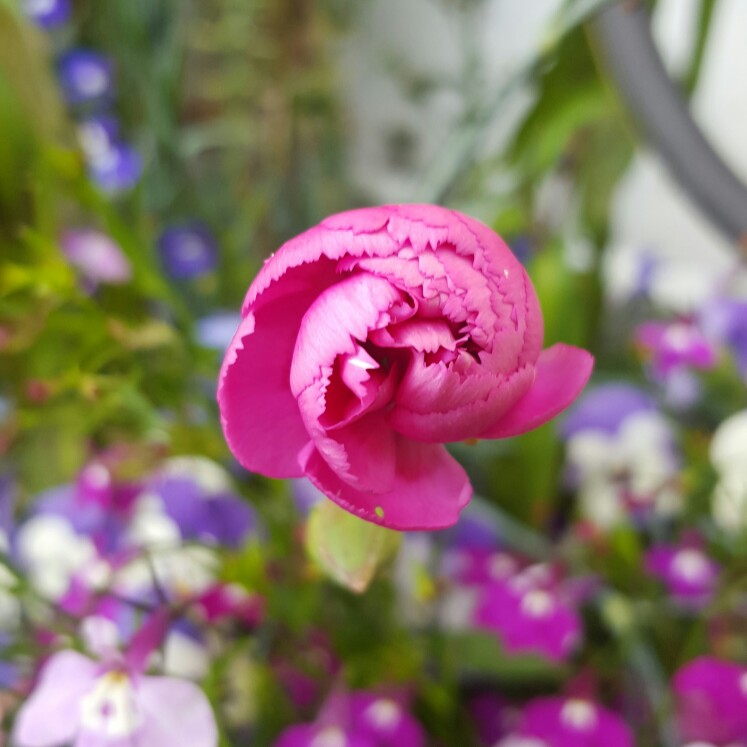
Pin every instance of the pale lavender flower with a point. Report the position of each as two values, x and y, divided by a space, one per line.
97 256
568 722
110 702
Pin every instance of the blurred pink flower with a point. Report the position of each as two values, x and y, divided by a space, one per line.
711 697
371 339
568 722
689 574
358 719
531 614
671 345
109 702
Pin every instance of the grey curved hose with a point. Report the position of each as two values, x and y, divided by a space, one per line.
663 114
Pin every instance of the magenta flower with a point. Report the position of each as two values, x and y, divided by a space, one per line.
712 701
357 719
568 722
673 345
689 574
110 702
371 339
529 618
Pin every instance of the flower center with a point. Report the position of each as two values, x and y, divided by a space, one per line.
110 709
537 604
332 736
579 715
91 80
690 565
384 713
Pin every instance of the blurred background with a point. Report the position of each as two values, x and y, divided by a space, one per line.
154 152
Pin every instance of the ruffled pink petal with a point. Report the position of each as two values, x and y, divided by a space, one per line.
353 392
337 319
51 716
429 489
175 713
361 453
425 335
259 413
562 373
455 416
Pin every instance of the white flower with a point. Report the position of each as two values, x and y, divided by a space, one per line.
637 462
728 453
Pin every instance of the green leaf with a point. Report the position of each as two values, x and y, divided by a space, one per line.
348 549
480 653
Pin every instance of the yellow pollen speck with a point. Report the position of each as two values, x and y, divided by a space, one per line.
379 511
471 441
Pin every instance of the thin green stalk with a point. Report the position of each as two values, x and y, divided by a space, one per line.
690 80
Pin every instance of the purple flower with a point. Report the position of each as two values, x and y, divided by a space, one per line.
225 519
673 345
9 672
86 77
568 722
188 250
476 529
530 616
689 574
712 701
725 320
48 14
490 715
196 495
95 506
116 169
605 407
97 256
109 702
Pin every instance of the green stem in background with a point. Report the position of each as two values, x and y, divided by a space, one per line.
691 77
461 150
515 533
619 616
